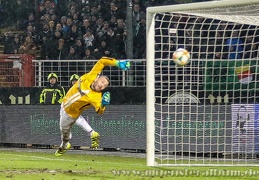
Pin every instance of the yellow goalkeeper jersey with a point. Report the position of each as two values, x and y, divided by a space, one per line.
80 96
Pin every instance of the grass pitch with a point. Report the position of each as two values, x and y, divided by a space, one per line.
33 164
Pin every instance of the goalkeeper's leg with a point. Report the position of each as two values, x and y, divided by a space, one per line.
94 135
66 122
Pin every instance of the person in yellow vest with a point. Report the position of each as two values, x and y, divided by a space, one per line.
53 93
73 79
86 93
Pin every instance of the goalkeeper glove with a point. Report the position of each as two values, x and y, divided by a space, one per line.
106 99
123 64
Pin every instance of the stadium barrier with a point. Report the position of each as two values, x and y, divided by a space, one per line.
136 76
119 127
123 127
31 95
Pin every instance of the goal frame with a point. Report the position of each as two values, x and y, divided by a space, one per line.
150 88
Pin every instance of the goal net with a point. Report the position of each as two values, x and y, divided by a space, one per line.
207 112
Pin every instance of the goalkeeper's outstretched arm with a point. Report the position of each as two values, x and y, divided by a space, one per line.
106 61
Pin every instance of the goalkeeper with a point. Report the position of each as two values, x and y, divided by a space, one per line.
85 93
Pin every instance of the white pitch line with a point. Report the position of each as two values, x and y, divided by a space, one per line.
57 159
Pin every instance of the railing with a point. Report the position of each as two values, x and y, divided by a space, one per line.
16 70
136 76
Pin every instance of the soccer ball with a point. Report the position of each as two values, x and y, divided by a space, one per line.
181 57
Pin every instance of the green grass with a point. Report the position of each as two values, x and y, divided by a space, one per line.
37 165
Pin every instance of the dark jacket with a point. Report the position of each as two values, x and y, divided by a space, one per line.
52 94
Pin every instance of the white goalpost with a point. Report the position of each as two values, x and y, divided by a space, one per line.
207 112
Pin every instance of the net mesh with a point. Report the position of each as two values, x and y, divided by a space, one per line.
206 112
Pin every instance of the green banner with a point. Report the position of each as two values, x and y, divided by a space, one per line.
231 75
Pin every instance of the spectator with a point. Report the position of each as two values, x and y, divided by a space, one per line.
94 11
57 35
44 48
251 48
85 11
76 20
113 11
28 46
120 27
104 6
235 46
232 53
46 18
58 27
51 12
45 32
40 12
109 37
40 22
150 3
72 55
31 30
86 66
54 46
119 48
102 50
102 31
69 23
65 27
28 22
71 67
72 9
85 26
53 93
120 34
15 45
136 14
88 55
8 39
121 4
98 25
79 47
139 39
74 34
113 21
89 39
54 17
48 5
52 28
140 2
93 20
60 51
219 46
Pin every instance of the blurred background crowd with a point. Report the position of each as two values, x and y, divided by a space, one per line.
76 29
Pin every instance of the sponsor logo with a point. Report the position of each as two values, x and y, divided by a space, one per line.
183 98
244 74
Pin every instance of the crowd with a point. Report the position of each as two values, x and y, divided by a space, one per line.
88 30
75 30
84 29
